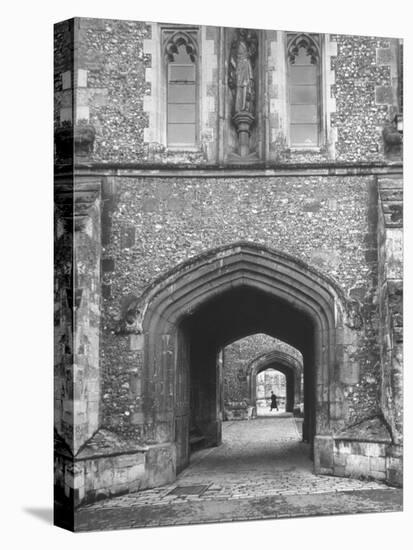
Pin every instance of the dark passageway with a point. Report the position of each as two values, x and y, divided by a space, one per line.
223 319
214 300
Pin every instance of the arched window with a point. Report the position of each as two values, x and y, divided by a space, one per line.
304 91
181 97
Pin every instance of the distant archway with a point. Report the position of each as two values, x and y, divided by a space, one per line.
285 363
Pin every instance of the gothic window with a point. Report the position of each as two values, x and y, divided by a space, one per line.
182 91
304 91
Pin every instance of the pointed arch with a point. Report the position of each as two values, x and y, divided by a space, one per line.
182 289
283 361
230 292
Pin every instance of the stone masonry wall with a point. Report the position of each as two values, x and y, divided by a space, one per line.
77 315
63 332
159 222
111 52
359 98
116 76
63 65
364 94
390 297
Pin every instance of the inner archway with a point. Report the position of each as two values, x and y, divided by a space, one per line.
215 299
234 314
289 362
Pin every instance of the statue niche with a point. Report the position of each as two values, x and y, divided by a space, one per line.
241 81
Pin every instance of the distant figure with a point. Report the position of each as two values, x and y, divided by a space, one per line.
273 402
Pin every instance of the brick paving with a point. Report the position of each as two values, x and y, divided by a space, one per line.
261 470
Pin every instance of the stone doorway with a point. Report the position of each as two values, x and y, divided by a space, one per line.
220 297
288 363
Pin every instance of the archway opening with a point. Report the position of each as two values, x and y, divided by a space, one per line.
226 294
244 360
223 319
271 381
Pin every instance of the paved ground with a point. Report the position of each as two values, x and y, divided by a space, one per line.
262 470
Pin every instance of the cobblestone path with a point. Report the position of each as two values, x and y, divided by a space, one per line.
261 470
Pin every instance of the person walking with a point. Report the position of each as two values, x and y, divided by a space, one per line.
274 404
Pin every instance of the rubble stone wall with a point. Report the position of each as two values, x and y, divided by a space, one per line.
157 223
118 83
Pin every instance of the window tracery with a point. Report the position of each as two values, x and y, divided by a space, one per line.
304 91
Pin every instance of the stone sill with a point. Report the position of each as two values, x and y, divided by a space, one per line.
316 149
181 149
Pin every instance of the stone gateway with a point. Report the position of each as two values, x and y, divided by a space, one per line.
227 201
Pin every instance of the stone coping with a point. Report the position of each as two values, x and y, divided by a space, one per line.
247 166
287 170
370 430
103 443
362 439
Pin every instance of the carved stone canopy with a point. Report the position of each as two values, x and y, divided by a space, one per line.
305 41
173 39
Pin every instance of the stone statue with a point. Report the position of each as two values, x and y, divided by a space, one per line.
241 73
242 84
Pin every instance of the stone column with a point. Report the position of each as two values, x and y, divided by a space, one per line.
390 293
78 256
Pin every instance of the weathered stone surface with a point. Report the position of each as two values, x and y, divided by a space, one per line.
384 95
390 297
160 465
323 454
373 429
106 443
